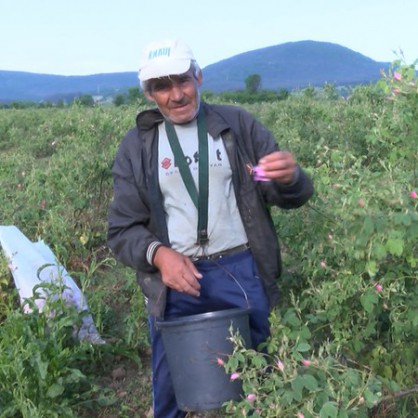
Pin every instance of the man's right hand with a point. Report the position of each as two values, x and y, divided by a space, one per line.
177 271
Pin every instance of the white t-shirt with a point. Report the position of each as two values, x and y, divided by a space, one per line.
225 228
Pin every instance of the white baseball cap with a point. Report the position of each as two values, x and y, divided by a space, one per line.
164 58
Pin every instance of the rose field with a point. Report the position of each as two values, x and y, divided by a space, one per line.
345 334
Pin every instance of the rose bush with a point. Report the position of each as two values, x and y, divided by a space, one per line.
349 304
344 336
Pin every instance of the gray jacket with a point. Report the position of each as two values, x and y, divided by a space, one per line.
136 213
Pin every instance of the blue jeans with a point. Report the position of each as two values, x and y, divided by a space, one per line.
229 282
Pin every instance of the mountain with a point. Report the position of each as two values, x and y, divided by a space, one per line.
22 86
294 65
291 65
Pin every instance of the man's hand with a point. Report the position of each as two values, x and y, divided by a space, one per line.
177 271
279 166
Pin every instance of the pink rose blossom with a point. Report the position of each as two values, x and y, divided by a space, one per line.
361 203
306 362
280 365
251 397
220 361
397 76
300 415
234 376
378 287
414 194
396 91
323 264
259 174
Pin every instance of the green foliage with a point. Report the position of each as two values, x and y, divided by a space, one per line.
84 100
119 100
286 380
253 83
246 97
55 184
39 373
349 286
133 97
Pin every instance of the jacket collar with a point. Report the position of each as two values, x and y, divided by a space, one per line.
149 119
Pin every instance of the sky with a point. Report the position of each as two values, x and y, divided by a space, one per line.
81 37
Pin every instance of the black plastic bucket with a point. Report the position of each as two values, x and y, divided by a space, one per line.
193 344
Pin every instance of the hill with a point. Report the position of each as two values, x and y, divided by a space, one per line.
294 65
22 86
291 65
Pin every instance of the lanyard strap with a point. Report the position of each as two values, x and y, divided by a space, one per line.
199 197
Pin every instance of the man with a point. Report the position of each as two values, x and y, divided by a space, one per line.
188 214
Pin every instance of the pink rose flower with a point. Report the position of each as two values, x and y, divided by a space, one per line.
378 287
220 361
259 174
251 397
306 362
280 365
397 76
234 376
322 263
414 194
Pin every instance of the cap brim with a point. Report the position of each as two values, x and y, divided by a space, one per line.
164 68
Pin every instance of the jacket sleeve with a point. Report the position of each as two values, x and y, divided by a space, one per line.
262 142
129 233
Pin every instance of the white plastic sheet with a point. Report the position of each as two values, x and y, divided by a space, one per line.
33 263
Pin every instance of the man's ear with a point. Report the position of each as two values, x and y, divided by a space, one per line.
200 78
149 96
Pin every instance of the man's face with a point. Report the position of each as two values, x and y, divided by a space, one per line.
176 96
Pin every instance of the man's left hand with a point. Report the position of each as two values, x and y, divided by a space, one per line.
279 166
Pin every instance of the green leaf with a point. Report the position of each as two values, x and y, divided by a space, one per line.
371 398
368 300
42 367
372 268
395 246
352 377
258 362
310 382
297 386
402 219
55 390
328 410
387 372
379 251
303 347
292 319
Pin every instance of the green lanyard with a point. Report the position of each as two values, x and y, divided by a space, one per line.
199 197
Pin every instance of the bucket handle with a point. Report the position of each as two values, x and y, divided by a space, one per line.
235 280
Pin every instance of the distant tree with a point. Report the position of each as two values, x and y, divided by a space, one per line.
283 94
19 105
330 92
84 100
134 95
309 92
119 100
253 83
45 104
207 95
